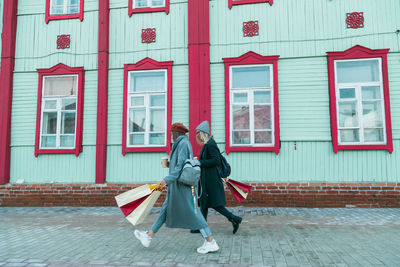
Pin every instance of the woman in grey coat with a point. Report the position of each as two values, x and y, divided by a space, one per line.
179 209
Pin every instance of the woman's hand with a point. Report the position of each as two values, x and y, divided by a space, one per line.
162 183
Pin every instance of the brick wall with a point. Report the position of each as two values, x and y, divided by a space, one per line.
377 195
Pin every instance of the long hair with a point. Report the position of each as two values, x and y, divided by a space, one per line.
204 137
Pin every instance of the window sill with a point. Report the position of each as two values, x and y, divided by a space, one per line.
58 151
389 148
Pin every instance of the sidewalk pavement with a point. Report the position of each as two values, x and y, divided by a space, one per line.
101 236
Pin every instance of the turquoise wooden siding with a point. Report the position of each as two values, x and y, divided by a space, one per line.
301 32
302 28
36 44
126 47
36 47
125 34
316 162
51 167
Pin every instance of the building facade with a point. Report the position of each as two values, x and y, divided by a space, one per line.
303 96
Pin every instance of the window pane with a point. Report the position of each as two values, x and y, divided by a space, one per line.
157 100
242 137
73 7
48 141
148 81
157 2
250 77
347 93
69 104
50 104
137 101
157 139
373 135
371 92
262 117
348 114
136 139
49 125
141 3
67 141
60 86
67 123
263 137
349 136
372 114
137 120
262 97
240 97
57 7
358 71
241 117
157 120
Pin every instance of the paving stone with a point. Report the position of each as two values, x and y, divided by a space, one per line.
100 236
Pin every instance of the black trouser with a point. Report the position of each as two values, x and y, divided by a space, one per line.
221 209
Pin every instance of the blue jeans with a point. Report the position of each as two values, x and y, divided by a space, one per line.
205 232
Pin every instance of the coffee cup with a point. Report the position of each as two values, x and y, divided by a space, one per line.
164 162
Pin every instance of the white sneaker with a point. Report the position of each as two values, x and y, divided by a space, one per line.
143 237
208 247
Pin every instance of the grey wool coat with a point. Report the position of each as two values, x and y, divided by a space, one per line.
180 203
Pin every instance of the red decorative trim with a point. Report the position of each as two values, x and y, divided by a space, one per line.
149 35
357 52
63 41
199 68
250 28
48 17
243 2
61 69
147 64
132 10
102 91
355 20
6 77
251 58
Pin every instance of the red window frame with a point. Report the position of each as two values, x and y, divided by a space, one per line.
132 10
147 64
359 52
49 17
61 69
251 58
243 2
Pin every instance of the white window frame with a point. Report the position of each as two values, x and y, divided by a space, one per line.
358 100
59 110
65 6
250 94
147 107
149 4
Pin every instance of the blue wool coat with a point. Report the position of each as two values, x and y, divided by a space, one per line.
180 203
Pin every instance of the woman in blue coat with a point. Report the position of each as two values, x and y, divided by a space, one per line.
213 193
179 209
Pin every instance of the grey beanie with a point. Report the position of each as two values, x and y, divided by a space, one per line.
204 127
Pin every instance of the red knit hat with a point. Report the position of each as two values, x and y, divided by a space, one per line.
179 127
